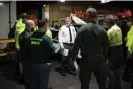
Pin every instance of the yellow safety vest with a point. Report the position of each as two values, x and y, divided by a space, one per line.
48 32
115 36
129 43
20 27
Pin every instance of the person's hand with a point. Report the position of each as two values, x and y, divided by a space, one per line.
62 50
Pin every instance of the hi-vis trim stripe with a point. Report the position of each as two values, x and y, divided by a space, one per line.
36 39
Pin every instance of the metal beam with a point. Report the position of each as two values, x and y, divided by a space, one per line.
10 21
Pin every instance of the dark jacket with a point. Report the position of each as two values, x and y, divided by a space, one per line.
23 39
40 46
92 39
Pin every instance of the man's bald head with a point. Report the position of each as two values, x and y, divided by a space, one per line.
110 20
30 24
91 13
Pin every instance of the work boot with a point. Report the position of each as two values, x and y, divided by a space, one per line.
61 71
72 73
58 69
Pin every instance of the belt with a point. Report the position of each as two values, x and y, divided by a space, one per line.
68 45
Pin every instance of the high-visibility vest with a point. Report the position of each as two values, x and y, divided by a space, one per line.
48 32
115 36
129 43
20 27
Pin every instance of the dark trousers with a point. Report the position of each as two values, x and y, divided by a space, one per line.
86 70
64 62
17 62
19 66
128 73
36 76
115 79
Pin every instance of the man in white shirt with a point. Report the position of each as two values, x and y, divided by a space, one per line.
66 36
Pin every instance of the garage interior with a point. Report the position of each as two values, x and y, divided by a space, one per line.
56 12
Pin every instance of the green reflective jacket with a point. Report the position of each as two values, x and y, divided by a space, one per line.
129 43
20 26
40 47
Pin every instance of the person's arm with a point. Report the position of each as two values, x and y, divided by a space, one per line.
60 34
76 45
105 43
50 46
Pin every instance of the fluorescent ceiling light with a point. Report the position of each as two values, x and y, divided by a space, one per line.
62 0
44 5
105 1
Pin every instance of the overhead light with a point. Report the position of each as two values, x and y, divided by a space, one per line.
105 1
44 5
62 0
1 4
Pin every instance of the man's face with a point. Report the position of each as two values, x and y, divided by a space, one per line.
68 21
45 27
25 19
108 24
129 24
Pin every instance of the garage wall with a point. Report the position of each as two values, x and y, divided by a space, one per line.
4 19
56 11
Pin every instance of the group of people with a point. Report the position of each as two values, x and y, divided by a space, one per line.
101 51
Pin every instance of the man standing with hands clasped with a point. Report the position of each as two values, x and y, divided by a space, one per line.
66 36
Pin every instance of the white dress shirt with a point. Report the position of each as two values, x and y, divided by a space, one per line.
64 35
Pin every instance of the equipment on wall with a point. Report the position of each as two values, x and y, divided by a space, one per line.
125 14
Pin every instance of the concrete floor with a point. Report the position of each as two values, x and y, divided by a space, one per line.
7 79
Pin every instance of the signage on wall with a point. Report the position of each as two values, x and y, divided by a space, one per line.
46 15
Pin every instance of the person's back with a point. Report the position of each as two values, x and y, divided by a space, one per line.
92 39
41 47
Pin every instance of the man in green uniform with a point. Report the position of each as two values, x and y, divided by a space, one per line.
37 67
115 56
24 54
92 39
